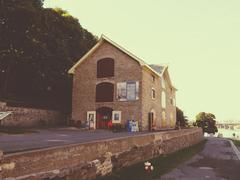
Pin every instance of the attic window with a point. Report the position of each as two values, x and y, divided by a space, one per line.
153 78
105 68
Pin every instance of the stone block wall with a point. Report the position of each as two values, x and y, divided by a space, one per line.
31 117
85 81
149 104
89 160
1 158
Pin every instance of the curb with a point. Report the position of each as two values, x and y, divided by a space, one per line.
235 149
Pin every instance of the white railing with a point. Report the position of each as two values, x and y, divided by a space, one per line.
4 114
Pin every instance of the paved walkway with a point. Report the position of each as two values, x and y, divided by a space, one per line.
55 137
217 161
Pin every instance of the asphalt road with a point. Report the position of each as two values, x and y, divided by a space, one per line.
217 161
55 137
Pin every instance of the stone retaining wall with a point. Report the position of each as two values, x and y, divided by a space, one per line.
89 160
31 117
1 158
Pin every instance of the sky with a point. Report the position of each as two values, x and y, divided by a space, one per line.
198 39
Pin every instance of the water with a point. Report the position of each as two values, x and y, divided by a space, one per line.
228 133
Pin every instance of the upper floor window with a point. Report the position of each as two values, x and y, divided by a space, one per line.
153 78
105 68
172 101
163 83
163 99
153 93
128 91
104 92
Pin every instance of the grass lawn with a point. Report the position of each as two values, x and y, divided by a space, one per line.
162 165
236 142
16 130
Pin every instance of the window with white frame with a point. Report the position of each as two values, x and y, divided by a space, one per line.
163 99
163 116
163 82
128 91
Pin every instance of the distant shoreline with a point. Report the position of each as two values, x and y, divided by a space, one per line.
228 133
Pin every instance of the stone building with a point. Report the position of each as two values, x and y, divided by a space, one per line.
111 85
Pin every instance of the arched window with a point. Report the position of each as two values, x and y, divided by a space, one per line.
163 83
172 121
163 99
163 116
164 122
105 68
104 92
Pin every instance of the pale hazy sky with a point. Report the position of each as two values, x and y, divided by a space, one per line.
199 39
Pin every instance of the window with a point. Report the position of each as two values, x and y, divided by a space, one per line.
163 99
105 68
128 91
172 101
153 78
172 121
131 91
163 83
163 116
104 92
153 93
164 121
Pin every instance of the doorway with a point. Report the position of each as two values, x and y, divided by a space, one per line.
104 117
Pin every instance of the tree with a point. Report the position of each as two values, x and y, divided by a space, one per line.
37 47
182 120
207 122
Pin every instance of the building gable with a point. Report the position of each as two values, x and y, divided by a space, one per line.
100 42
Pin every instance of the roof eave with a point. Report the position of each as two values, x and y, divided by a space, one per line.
103 37
72 70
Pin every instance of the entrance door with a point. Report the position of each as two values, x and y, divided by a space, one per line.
104 117
150 121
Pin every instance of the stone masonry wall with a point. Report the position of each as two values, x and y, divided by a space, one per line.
155 105
149 104
31 117
170 108
93 159
1 158
85 81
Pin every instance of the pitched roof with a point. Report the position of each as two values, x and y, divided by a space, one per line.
156 69
101 40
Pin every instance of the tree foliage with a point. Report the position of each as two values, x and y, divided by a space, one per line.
37 47
207 122
182 120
